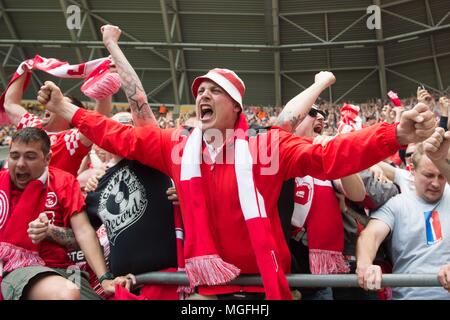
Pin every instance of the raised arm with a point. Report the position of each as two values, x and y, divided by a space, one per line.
298 107
352 187
13 98
353 152
436 148
131 84
150 145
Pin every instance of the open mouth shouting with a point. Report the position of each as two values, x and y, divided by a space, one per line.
46 117
206 112
22 178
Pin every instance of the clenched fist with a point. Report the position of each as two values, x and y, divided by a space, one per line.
50 96
325 78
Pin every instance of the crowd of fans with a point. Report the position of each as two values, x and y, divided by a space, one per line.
336 203
371 112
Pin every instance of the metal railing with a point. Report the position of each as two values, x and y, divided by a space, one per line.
302 280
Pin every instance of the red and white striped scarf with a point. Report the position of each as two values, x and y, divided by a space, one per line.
203 264
350 119
91 70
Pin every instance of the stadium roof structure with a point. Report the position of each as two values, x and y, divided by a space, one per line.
276 46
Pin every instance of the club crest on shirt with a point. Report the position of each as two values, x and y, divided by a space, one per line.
122 202
52 200
4 208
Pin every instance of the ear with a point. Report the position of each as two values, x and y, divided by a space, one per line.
237 107
48 157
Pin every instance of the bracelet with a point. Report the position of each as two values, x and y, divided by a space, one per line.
106 276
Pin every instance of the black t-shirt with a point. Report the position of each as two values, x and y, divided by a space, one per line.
131 202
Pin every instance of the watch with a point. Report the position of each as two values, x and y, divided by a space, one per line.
106 276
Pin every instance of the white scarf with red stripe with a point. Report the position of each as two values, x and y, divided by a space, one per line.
203 264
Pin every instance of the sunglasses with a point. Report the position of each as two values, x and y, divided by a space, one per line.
408 154
313 112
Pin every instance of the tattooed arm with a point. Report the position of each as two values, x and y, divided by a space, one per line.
41 229
131 85
63 236
298 107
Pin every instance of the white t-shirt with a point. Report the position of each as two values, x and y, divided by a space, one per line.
420 239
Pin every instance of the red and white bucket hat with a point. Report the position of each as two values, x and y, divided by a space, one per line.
228 80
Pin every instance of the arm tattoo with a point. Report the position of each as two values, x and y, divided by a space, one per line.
289 122
132 86
63 236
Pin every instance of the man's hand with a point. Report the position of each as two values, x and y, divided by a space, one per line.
369 277
111 34
444 277
126 282
324 78
416 124
38 229
436 147
91 184
50 95
423 96
172 195
444 104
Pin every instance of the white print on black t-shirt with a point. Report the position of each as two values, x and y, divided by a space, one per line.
122 202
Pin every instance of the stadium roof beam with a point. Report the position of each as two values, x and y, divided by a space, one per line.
3 80
156 90
73 36
356 85
272 20
346 10
94 33
298 84
443 19
433 48
12 30
224 46
348 28
381 58
103 20
173 71
181 59
401 75
327 37
406 18
302 29
7 55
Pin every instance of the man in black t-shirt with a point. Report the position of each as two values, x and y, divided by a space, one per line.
131 201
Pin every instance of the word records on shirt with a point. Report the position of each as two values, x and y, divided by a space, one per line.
122 203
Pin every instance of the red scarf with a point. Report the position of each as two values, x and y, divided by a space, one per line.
93 70
317 210
203 264
16 248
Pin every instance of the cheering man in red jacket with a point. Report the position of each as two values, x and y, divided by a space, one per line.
229 178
